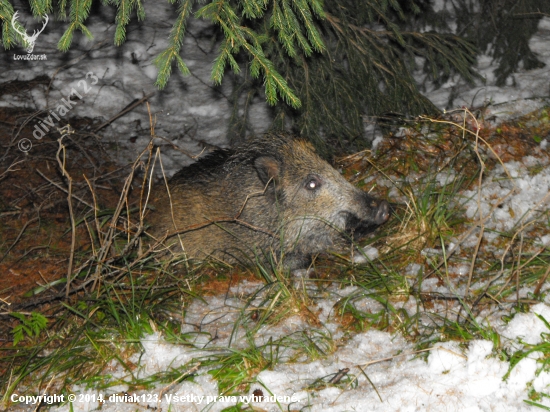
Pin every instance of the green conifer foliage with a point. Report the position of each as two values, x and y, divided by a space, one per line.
366 69
9 35
79 12
322 65
165 59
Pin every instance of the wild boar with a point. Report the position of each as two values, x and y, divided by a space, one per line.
271 196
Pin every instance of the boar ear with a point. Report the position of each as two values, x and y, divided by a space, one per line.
267 168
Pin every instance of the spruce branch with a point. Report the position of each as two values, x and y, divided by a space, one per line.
254 9
80 9
164 60
238 36
40 7
122 18
8 33
444 53
303 8
62 13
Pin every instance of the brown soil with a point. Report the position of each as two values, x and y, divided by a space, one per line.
35 229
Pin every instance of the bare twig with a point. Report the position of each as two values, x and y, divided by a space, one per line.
71 212
179 149
176 381
542 281
34 219
111 232
339 375
63 189
9 169
127 109
96 220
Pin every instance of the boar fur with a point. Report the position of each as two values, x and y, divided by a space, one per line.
272 196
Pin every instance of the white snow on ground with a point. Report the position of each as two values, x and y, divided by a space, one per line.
190 111
453 378
511 195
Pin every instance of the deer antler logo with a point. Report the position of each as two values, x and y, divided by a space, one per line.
29 40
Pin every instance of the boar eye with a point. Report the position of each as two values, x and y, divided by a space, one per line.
313 183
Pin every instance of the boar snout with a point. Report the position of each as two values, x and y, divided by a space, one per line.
372 213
